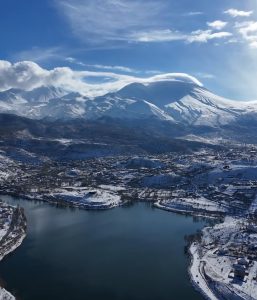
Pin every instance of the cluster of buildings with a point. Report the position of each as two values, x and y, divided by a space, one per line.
224 178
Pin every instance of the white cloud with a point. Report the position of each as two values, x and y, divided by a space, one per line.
218 24
171 77
39 55
205 75
71 60
238 13
101 67
253 45
248 31
98 21
114 68
167 35
203 36
29 75
193 13
115 21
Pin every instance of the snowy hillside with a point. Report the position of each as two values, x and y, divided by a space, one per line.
189 103
201 107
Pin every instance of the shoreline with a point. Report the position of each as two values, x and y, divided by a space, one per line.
18 226
208 287
211 274
58 202
71 205
188 212
201 287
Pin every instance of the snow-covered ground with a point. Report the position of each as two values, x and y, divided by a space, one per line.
223 249
196 274
234 172
6 165
89 198
12 229
197 206
4 295
12 233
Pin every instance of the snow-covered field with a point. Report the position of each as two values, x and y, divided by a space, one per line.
89 198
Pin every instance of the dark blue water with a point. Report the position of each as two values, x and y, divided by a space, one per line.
128 253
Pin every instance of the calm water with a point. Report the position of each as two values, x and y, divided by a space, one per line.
130 253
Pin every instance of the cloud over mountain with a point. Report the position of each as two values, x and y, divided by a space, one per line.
28 75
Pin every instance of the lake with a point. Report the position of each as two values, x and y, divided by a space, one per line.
127 253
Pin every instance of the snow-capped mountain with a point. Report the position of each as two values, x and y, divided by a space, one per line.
42 102
41 94
189 103
175 101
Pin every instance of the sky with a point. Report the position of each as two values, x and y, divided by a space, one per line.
100 45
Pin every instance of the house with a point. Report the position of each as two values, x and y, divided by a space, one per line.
239 271
222 251
243 262
240 268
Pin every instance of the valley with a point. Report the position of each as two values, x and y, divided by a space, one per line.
128 150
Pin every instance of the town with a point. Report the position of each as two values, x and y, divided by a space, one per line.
210 183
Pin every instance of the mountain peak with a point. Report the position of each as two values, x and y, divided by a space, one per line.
44 94
159 93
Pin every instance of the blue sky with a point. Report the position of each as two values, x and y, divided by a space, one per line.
215 41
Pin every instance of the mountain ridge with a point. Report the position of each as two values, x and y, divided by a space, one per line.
175 101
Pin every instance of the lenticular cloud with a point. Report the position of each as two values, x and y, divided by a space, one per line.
27 75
